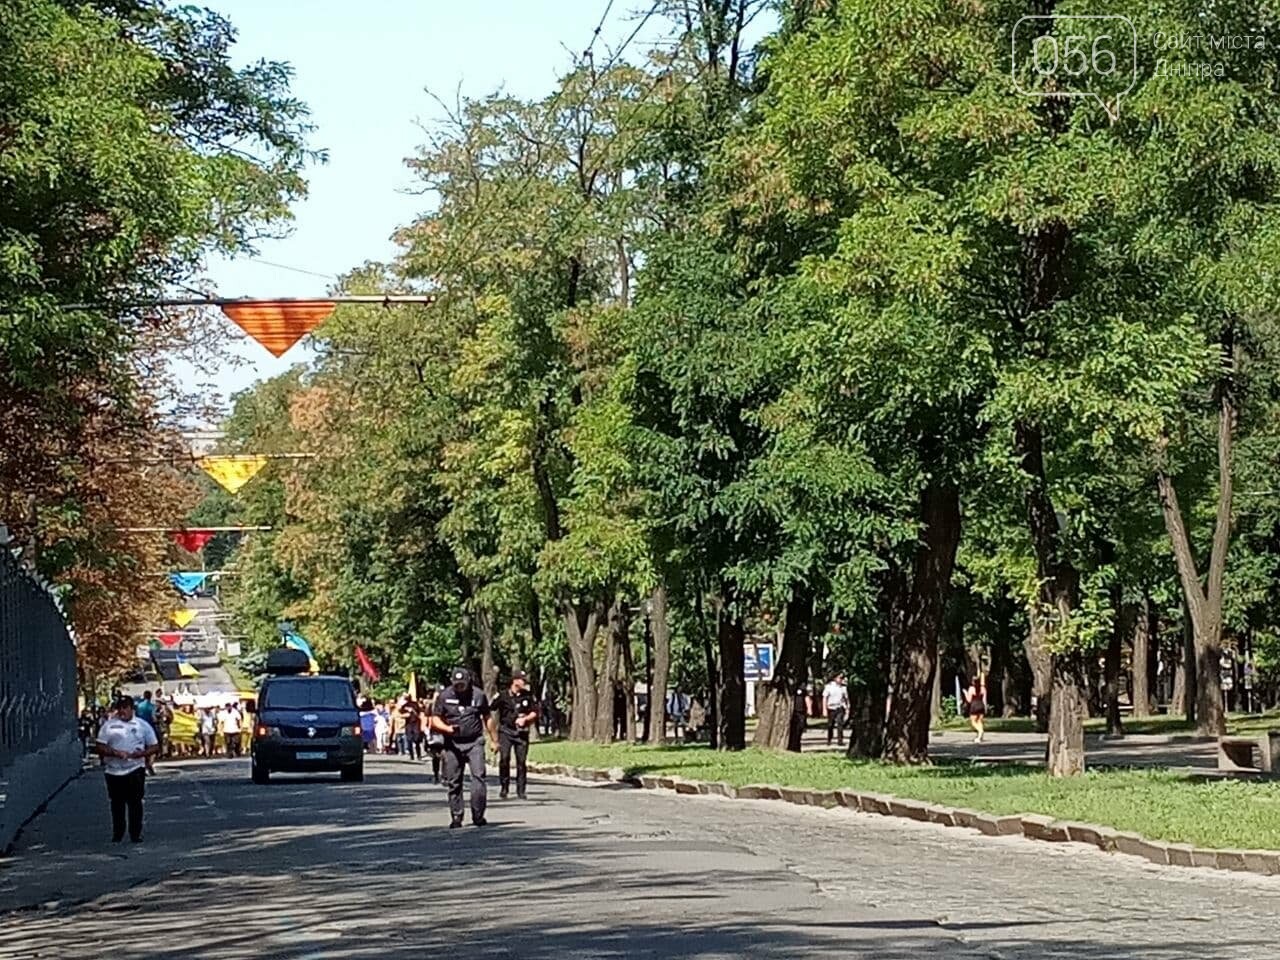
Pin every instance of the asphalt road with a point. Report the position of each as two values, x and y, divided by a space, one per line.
317 870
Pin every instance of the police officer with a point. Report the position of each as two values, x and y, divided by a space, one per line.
517 712
461 713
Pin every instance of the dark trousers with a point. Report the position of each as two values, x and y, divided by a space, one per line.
835 724
125 793
507 744
457 756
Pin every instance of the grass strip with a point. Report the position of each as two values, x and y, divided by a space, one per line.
1156 804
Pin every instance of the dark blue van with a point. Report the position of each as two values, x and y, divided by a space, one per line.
307 724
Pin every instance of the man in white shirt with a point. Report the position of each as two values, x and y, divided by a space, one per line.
230 721
126 743
835 703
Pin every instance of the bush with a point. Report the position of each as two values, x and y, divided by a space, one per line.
947 709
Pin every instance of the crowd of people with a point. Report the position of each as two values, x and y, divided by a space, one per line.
182 729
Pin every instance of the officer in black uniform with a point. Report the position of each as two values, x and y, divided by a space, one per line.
461 713
517 712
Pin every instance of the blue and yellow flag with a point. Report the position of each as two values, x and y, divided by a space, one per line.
298 643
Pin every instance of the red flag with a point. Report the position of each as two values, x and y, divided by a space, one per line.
171 639
192 541
366 665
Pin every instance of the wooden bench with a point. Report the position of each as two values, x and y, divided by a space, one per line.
1236 753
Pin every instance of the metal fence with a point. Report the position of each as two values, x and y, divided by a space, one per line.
37 664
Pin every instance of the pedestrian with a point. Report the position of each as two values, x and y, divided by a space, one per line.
208 721
125 742
677 708
975 704
435 739
145 710
835 703
410 727
368 725
164 724
620 712
801 707
382 727
87 727
517 711
229 721
462 714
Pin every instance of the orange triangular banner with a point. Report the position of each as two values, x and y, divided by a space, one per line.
278 324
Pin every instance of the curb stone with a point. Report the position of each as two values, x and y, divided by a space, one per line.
1032 826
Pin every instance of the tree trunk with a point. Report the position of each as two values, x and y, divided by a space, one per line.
713 674
1065 750
1123 618
1041 669
488 671
731 633
627 675
607 675
775 699
1178 700
915 649
935 699
1059 586
1189 678
1204 603
870 701
661 629
1141 667
581 626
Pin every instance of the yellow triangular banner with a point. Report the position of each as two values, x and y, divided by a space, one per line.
232 472
183 617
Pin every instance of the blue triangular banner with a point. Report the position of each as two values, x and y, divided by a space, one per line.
188 583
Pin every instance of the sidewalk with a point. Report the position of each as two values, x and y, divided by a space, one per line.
1138 750
69 843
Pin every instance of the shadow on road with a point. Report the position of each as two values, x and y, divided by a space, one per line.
309 868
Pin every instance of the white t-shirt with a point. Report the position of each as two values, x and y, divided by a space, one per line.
209 723
127 737
230 721
834 694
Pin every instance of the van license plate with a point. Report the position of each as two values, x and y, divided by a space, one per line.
312 755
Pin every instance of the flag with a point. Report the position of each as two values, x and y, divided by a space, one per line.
184 728
298 643
366 665
192 541
183 617
185 669
232 471
171 639
188 582
278 324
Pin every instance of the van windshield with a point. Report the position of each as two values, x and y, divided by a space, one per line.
315 694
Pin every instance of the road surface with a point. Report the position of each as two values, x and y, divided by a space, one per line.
317 870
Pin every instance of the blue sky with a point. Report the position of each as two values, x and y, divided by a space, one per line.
363 69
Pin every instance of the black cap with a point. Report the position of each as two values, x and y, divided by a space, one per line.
459 674
519 675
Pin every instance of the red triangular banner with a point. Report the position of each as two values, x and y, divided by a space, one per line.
171 639
366 665
192 541
278 324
